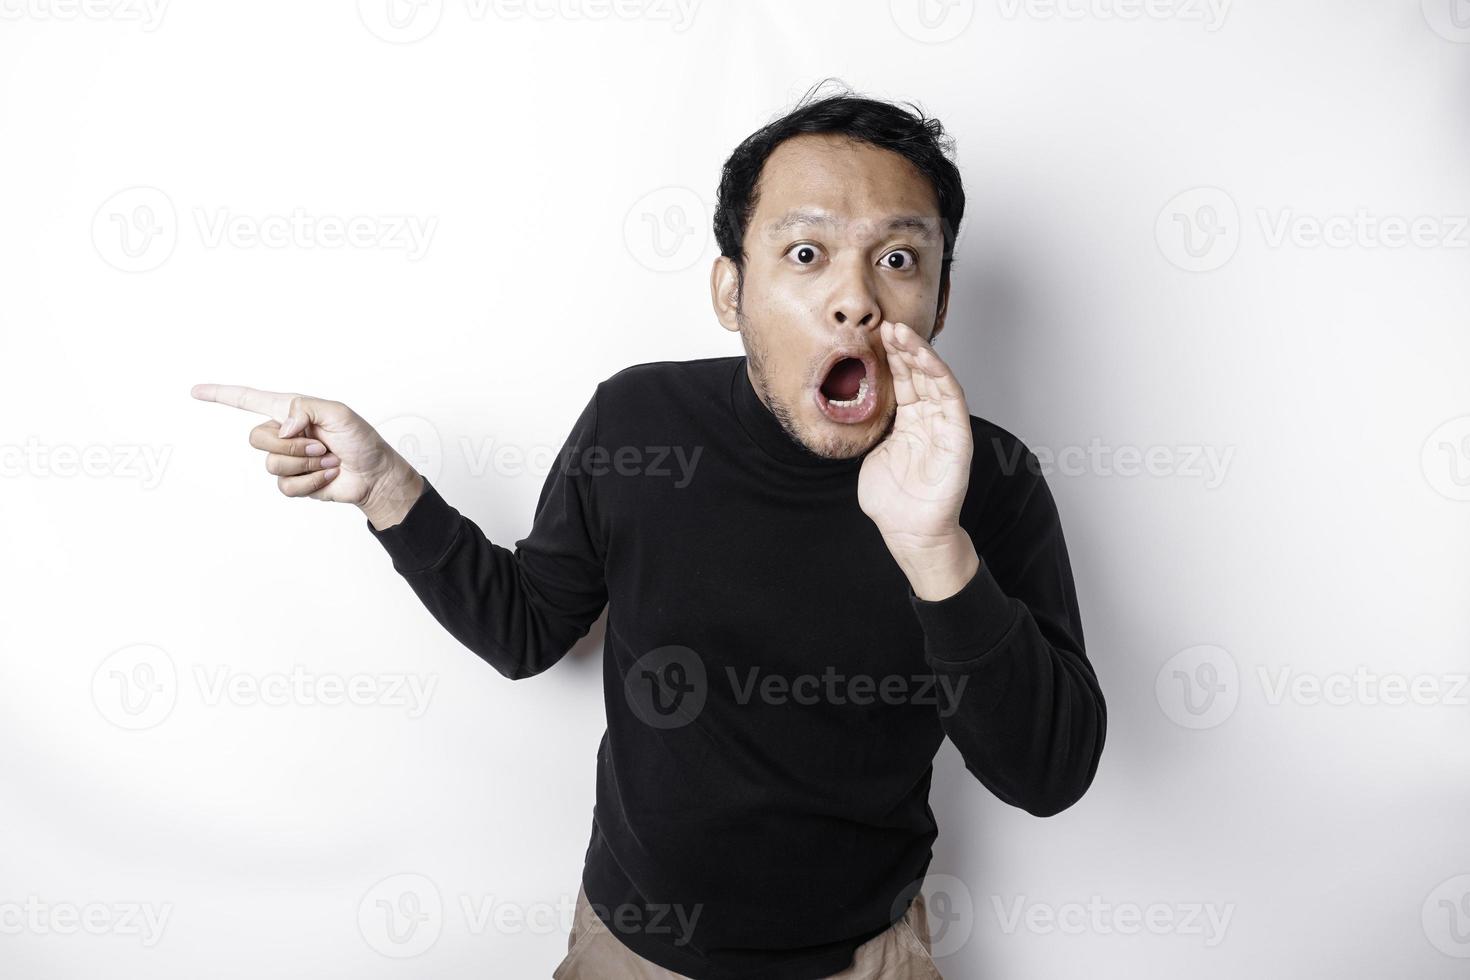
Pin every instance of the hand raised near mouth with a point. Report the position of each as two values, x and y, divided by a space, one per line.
913 483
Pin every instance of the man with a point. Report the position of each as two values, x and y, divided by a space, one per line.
811 576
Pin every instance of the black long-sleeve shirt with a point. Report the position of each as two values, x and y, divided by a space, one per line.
775 691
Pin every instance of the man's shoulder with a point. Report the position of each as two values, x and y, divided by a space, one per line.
1005 472
998 449
658 381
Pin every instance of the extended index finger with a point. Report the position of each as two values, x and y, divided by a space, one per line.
276 404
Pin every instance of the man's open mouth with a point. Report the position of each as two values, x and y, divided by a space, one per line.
848 390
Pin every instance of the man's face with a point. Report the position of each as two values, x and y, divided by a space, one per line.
844 236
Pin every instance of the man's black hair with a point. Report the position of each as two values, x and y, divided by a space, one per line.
919 139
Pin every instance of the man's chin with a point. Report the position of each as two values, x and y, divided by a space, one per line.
836 441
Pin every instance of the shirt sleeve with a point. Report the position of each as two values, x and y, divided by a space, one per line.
1016 692
520 610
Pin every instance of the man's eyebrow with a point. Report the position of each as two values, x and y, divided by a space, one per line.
916 222
810 216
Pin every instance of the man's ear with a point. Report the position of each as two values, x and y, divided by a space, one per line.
940 313
722 290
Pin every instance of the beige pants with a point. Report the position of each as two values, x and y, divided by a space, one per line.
901 952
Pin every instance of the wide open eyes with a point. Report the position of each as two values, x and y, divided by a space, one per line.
901 259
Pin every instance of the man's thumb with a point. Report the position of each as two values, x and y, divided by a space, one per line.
303 411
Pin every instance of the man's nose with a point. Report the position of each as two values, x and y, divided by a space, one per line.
854 303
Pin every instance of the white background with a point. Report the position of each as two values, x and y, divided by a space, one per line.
1327 381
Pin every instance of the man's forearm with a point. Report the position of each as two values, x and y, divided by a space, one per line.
521 608
938 569
390 498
